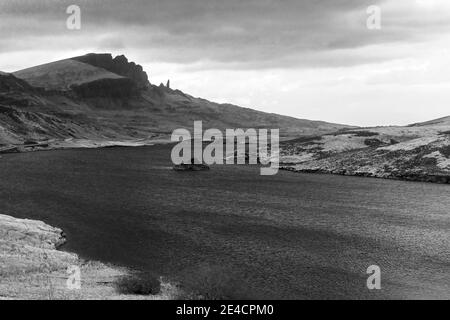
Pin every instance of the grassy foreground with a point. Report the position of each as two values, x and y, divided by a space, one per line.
32 267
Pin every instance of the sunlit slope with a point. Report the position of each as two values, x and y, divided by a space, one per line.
62 75
420 152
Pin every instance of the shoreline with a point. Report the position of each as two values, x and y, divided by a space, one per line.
404 177
33 267
70 144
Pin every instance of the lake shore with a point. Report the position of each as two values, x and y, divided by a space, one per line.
33 267
440 179
162 140
80 144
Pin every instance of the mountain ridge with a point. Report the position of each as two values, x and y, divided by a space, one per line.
80 102
104 98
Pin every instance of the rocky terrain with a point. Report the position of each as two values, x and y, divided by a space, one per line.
97 99
419 152
32 267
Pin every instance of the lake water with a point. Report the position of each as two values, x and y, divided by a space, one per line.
285 236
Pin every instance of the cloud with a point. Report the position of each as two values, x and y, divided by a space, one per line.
305 58
228 34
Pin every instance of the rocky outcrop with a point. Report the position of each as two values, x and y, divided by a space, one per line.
192 166
414 153
27 245
32 233
118 65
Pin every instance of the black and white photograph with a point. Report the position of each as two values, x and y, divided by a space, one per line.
245 152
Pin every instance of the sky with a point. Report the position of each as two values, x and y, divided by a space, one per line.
313 59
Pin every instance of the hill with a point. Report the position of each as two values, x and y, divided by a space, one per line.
99 99
419 152
63 75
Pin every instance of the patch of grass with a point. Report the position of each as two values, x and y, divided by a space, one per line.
373 143
365 133
139 284
302 140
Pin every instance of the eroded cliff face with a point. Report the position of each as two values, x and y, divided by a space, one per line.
122 88
118 65
131 81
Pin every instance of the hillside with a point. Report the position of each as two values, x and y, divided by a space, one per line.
99 99
416 152
63 75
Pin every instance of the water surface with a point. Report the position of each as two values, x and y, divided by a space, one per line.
284 236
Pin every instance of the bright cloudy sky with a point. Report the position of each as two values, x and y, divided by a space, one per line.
311 59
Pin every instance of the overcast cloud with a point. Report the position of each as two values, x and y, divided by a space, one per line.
309 59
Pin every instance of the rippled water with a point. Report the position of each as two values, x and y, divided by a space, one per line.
284 236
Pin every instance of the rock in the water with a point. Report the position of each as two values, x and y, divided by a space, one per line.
192 166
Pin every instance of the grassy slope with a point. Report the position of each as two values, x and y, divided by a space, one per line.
417 152
60 75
